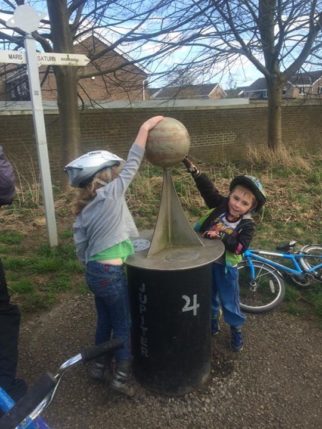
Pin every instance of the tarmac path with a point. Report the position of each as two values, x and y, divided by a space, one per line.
275 382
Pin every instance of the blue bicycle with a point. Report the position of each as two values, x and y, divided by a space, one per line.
25 414
261 273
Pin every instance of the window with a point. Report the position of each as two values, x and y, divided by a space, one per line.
19 89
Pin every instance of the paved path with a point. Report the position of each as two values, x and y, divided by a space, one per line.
276 382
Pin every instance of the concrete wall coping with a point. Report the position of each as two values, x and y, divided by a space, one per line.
50 107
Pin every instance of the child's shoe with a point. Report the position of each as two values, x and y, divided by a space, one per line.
236 339
101 369
97 371
120 382
215 326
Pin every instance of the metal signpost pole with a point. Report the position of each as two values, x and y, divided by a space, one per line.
27 19
41 140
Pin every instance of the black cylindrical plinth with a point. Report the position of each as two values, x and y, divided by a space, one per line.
171 340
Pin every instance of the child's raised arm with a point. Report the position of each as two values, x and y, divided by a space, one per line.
143 132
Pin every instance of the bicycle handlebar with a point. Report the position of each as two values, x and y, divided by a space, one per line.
46 384
101 349
43 387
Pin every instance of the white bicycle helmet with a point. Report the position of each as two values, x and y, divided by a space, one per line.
83 169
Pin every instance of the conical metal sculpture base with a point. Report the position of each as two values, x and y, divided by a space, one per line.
173 245
172 228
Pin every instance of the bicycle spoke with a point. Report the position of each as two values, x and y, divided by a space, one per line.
264 292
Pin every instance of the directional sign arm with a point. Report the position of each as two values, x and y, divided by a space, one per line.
14 57
78 60
53 58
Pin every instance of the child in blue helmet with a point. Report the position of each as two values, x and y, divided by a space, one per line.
230 219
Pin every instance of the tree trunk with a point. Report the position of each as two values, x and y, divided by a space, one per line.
66 80
274 94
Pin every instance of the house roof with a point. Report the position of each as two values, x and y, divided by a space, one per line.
99 42
235 92
153 90
258 85
307 78
185 91
95 43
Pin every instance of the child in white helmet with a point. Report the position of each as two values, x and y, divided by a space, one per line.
102 232
230 219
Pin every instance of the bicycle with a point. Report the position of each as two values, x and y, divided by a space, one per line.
25 413
261 281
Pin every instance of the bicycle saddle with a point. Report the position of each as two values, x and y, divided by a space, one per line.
286 247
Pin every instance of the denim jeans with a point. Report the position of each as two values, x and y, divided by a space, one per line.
109 286
225 292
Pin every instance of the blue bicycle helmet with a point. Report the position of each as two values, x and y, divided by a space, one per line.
254 185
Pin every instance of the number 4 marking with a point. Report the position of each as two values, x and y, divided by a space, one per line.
194 307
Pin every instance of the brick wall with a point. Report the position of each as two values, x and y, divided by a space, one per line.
216 133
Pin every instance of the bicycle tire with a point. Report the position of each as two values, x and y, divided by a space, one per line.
269 292
308 262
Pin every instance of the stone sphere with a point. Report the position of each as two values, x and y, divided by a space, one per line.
168 143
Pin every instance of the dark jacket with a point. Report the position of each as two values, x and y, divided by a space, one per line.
9 313
7 180
7 192
240 239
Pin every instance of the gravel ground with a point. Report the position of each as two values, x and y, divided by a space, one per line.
275 382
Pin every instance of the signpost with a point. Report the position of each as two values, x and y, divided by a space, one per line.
27 19
45 59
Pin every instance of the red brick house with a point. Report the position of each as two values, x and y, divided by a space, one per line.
120 79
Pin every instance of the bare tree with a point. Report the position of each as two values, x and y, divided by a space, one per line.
278 37
69 23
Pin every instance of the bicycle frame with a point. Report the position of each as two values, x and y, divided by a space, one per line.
7 403
25 414
33 421
253 254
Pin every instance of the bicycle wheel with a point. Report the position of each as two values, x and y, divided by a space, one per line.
263 293
314 252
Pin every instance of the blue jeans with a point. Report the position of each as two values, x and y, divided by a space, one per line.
109 286
225 292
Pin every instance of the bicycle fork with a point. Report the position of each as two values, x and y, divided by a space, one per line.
254 276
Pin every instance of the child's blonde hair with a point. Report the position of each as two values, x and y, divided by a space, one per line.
88 193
